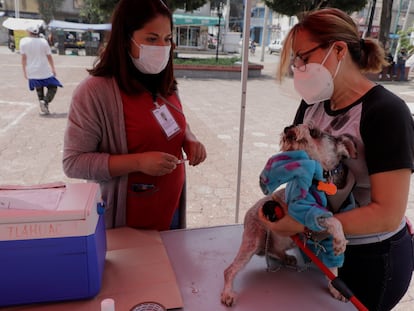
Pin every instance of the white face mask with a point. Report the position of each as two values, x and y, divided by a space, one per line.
315 83
152 58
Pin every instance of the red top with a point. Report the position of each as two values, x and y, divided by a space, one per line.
154 207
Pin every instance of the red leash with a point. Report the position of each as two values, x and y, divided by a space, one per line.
273 211
336 281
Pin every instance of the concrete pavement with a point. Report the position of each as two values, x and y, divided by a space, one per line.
31 145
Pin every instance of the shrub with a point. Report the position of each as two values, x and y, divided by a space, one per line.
223 61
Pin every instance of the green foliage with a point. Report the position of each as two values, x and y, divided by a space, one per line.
296 8
405 39
223 61
47 9
187 5
100 11
289 8
348 5
97 11
215 4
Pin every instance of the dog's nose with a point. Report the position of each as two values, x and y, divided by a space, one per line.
290 133
287 128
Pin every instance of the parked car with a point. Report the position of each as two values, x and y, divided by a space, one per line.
275 46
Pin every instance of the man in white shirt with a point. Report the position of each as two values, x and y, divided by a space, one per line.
38 67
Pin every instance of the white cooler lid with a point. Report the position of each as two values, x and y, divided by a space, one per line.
49 202
49 211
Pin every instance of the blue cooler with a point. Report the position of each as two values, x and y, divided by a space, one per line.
52 243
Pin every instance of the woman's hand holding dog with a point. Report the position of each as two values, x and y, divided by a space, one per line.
286 226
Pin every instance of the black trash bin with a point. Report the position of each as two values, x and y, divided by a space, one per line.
61 42
91 48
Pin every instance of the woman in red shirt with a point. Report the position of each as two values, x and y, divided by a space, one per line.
131 124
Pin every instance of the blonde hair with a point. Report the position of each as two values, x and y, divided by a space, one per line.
331 25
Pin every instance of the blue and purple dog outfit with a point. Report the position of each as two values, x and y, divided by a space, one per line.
306 204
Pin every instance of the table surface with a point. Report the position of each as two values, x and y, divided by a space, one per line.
199 257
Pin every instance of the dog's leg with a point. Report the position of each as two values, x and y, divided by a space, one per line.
334 292
249 246
334 227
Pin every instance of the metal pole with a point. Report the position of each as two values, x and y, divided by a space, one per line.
218 32
226 26
244 74
227 17
16 9
397 19
407 15
366 18
265 29
371 18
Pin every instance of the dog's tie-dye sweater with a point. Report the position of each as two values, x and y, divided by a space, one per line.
306 204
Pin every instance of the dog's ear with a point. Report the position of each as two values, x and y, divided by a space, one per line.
347 146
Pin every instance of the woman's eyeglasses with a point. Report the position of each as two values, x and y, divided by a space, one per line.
300 60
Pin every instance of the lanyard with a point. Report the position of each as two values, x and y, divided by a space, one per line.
154 98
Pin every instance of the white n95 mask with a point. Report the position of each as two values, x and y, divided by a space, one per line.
152 58
314 82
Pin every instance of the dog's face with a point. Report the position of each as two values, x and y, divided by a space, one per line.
327 149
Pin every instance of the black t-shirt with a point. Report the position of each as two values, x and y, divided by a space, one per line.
382 127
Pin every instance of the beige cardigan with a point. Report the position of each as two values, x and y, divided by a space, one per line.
96 129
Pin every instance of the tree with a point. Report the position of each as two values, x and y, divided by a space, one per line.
215 4
385 22
405 38
47 9
296 8
99 11
187 5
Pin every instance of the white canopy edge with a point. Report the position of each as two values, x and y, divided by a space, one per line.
78 26
22 23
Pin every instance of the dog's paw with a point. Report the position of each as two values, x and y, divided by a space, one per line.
339 245
228 298
291 260
335 293
334 227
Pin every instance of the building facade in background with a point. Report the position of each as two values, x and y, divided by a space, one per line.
204 28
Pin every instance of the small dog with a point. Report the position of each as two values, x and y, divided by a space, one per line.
329 151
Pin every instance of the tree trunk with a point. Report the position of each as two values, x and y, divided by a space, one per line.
371 18
385 23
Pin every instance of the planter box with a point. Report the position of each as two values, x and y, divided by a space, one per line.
215 72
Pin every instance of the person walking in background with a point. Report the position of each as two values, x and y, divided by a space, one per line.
388 72
126 127
39 68
11 42
401 59
391 67
329 65
252 47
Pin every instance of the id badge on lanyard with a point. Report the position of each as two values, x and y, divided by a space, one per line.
166 120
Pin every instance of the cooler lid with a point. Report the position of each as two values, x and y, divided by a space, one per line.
47 202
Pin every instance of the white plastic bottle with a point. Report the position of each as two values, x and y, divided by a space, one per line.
108 304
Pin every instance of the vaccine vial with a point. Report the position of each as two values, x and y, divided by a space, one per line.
108 304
